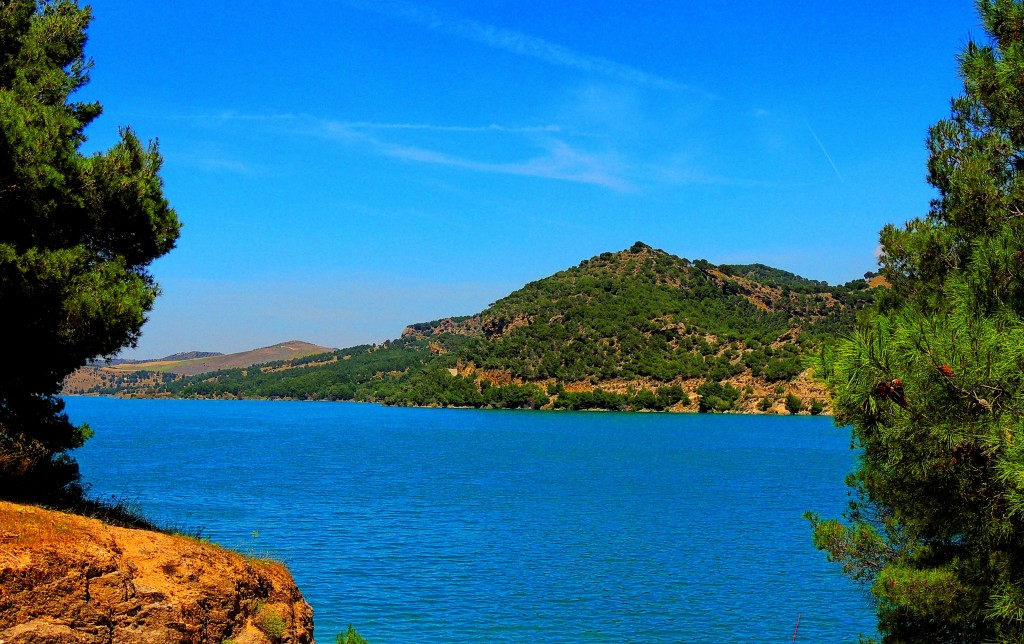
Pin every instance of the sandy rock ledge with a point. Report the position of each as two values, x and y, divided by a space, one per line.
71 580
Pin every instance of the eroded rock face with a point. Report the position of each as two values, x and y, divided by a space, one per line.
495 327
68 579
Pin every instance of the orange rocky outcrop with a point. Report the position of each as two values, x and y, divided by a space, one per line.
72 580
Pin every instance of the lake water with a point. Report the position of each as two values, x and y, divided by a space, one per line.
482 526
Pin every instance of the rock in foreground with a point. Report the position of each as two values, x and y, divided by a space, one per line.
70 579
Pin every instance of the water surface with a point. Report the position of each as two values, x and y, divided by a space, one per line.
480 526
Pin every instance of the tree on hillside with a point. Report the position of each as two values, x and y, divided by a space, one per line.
933 381
77 237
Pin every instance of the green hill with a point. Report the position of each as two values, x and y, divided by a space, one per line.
637 329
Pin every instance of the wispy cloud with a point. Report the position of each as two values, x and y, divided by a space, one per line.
493 127
230 115
561 161
519 43
560 154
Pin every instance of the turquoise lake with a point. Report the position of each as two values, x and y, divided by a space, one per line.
487 526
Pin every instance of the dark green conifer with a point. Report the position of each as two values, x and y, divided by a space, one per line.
77 236
933 382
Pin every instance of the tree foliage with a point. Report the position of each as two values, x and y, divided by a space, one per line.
350 637
932 382
78 235
715 397
643 313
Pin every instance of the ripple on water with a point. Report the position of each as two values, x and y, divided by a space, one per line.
476 526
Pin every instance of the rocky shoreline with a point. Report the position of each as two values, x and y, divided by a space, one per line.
67 579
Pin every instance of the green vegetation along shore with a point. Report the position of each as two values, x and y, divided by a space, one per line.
638 329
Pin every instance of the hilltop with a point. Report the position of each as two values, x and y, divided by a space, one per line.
636 329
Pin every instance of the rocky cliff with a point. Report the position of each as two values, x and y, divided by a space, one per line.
72 580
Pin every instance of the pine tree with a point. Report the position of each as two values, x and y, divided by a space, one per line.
933 381
77 235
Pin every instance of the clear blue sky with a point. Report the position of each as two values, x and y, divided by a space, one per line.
346 167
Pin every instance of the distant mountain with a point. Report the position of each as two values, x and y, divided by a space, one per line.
124 375
186 355
636 329
174 357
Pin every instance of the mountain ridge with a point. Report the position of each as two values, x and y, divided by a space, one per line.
120 375
634 329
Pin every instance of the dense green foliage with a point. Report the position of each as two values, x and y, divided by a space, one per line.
350 637
400 372
364 372
777 277
620 331
793 404
790 282
79 233
643 313
659 399
816 407
933 383
714 396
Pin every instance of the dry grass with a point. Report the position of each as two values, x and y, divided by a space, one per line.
24 529
26 524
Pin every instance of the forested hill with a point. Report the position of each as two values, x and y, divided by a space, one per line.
637 329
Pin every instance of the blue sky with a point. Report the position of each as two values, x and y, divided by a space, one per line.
346 167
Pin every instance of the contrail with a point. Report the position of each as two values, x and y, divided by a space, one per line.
825 152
